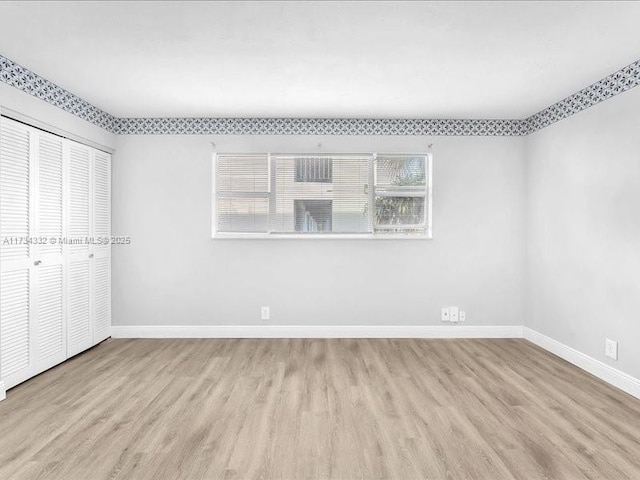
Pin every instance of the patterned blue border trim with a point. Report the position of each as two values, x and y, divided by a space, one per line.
608 87
315 126
23 79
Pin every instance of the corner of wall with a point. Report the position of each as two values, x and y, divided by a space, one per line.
3 391
601 370
525 235
582 260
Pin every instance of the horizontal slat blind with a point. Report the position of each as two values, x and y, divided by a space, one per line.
248 174
243 214
243 193
351 194
329 195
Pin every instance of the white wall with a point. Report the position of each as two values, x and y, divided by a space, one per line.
174 273
583 230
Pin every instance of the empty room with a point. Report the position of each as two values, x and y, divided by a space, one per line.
319 240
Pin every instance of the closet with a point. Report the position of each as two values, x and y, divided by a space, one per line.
55 253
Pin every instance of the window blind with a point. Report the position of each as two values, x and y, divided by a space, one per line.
242 193
335 204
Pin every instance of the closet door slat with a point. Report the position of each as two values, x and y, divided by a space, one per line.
79 321
101 268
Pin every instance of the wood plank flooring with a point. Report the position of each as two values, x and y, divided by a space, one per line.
318 409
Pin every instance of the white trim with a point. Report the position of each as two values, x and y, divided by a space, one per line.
324 236
315 331
214 193
47 127
3 391
609 374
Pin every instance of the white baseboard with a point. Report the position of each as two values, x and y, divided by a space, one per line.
315 331
3 391
605 372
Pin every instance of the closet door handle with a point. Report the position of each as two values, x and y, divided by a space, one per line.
91 255
37 262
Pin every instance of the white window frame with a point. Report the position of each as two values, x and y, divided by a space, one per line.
428 235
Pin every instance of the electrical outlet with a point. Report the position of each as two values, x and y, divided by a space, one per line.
453 314
265 314
444 314
462 316
611 349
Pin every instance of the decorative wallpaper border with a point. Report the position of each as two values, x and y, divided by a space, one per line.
610 86
316 126
23 79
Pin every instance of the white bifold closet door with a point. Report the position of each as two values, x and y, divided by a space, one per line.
89 268
55 252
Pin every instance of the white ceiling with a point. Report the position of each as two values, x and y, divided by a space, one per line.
322 59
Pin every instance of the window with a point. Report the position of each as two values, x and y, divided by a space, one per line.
400 193
314 169
313 215
371 195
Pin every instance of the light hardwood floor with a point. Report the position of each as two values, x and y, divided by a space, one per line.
318 409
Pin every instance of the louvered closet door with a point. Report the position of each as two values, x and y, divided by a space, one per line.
50 325
16 255
101 266
79 323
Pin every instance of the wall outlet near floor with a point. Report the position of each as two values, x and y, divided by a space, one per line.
611 349
265 313
452 314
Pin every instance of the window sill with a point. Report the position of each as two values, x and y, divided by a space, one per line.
343 236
